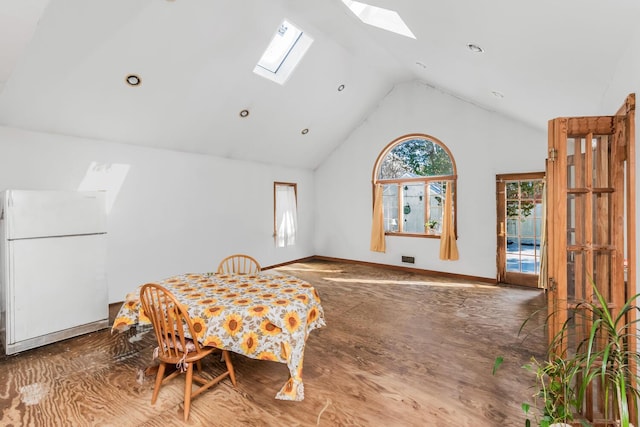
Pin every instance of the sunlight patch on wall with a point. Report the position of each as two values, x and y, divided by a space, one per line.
105 177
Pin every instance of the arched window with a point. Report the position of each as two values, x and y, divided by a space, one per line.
414 171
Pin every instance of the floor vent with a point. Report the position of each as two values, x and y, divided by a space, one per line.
409 259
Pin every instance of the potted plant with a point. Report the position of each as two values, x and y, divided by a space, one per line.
555 394
608 357
603 356
431 225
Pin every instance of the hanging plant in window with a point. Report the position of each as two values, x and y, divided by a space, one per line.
407 208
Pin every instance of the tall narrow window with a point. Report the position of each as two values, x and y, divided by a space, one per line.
286 214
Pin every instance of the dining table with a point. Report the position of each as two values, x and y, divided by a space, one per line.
263 316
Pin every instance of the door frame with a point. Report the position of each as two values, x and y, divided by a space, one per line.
511 278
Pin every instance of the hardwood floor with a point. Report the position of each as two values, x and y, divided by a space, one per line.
399 349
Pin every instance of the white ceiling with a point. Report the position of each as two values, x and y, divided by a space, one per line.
63 64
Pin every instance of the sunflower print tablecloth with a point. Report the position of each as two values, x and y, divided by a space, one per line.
265 317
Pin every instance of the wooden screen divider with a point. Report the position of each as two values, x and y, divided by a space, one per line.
591 227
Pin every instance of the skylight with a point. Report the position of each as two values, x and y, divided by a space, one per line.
286 49
283 41
378 17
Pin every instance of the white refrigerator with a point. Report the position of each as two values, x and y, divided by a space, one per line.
53 283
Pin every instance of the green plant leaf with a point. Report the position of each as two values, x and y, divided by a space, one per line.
496 364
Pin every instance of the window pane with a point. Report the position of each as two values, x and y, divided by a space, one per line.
537 190
415 158
601 219
512 190
601 159
513 262
436 191
527 227
413 208
390 206
513 245
576 208
513 209
538 226
576 162
528 264
286 221
527 189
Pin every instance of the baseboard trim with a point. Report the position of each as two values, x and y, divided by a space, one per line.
309 258
435 273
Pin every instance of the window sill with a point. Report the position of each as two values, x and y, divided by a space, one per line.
424 235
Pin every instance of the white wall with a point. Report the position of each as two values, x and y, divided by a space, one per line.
483 144
627 80
175 213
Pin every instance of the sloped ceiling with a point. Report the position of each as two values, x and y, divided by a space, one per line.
63 65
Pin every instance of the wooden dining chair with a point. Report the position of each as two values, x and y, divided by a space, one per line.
239 264
171 323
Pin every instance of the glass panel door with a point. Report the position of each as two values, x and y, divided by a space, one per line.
520 213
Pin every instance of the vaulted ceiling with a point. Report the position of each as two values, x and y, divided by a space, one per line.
63 65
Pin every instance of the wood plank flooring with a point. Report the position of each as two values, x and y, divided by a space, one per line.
399 349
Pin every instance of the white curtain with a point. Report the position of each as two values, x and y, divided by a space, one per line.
286 216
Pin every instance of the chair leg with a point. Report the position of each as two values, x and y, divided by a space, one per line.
187 391
159 377
227 361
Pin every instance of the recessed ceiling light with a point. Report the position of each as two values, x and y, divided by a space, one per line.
244 113
340 88
497 94
305 131
475 48
133 80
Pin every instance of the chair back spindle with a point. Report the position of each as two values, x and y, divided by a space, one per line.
239 264
177 345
